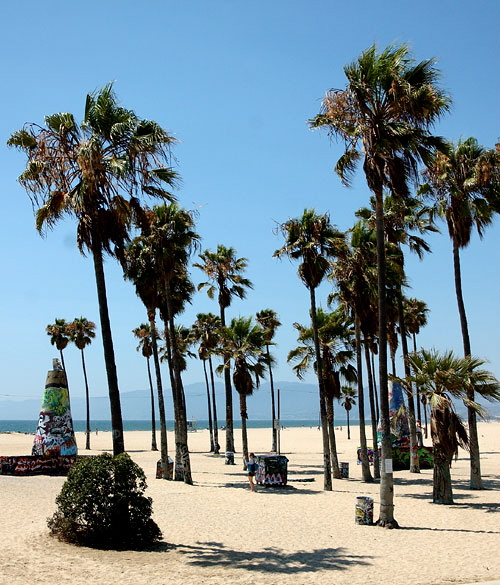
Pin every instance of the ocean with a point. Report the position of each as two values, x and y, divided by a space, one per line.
29 426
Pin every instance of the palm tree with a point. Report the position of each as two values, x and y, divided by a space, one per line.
268 319
415 312
464 181
403 221
95 172
145 346
224 272
383 116
59 337
244 343
355 277
335 338
348 397
206 332
442 378
312 239
138 263
81 333
172 239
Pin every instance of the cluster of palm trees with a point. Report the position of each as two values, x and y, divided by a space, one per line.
101 170
384 117
80 331
242 346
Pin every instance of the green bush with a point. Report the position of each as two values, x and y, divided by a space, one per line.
102 505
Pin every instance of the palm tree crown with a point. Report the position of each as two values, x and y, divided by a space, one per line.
96 171
223 270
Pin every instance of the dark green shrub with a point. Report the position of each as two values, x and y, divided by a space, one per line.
102 505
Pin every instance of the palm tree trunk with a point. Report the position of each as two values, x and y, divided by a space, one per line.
244 433
348 423
154 446
181 434
229 397
274 445
62 362
414 462
330 414
109 353
209 408
365 463
441 491
87 404
371 394
375 391
214 405
327 471
474 453
417 392
161 403
386 517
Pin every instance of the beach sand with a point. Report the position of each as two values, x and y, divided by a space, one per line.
217 532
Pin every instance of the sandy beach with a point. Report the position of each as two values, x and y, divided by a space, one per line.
217 531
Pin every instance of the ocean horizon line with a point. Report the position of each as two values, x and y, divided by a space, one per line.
29 426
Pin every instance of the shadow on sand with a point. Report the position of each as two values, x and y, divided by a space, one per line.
273 560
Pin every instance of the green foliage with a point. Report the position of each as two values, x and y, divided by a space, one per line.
102 505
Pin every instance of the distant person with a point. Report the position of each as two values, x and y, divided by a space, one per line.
251 466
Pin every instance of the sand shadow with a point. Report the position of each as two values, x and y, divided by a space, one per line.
270 560
261 489
469 530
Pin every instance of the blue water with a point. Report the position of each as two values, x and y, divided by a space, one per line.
29 426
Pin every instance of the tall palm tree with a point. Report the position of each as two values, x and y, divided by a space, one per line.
95 171
442 378
224 272
268 319
59 336
355 277
465 183
81 333
415 312
313 240
406 221
206 332
335 338
384 116
172 238
244 343
145 346
138 263
348 397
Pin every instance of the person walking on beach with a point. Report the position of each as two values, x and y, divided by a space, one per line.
251 466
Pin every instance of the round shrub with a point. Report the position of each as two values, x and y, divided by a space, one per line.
102 505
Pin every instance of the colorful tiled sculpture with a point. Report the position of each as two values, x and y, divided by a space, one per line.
54 434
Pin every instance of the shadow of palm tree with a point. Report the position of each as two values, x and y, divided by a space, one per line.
274 560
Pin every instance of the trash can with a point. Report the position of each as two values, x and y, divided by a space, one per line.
272 470
159 474
364 511
229 459
344 469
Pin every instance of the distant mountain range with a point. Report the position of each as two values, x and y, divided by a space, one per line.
298 400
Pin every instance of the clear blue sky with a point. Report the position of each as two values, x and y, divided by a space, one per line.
235 82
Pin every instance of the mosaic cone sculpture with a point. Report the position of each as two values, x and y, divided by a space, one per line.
54 434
